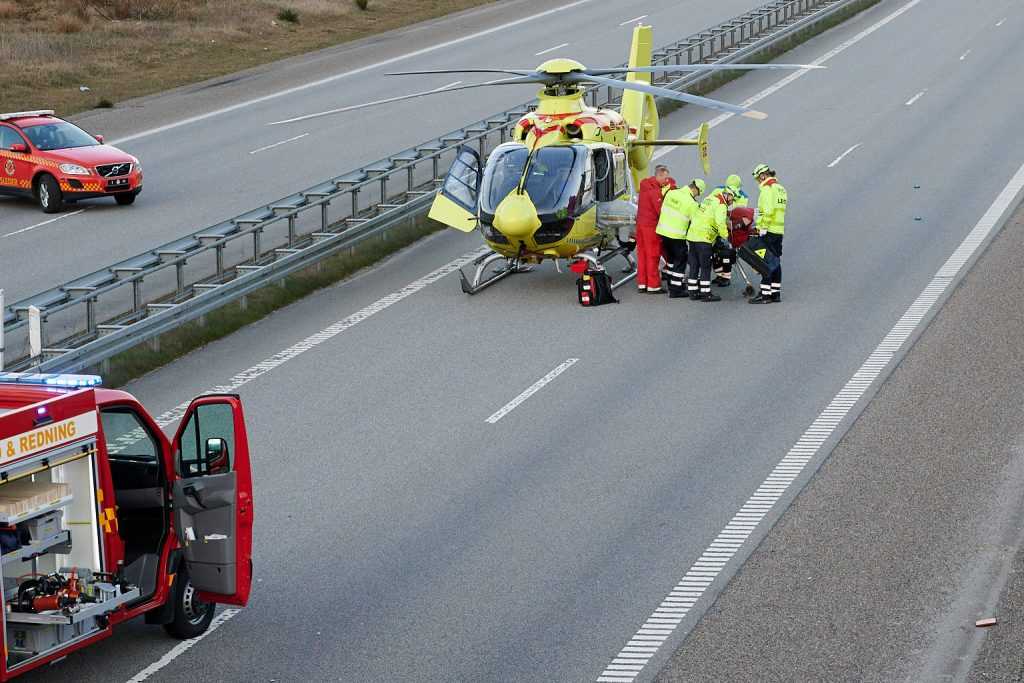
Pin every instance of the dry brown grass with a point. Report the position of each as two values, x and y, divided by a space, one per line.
127 48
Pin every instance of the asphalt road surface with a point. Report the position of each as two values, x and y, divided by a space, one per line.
405 531
216 167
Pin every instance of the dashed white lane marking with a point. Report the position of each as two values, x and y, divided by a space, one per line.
916 97
278 144
782 83
550 49
353 72
182 647
531 390
702 574
312 341
843 155
1000 22
277 360
39 225
633 20
964 55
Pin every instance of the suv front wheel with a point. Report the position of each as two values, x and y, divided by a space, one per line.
51 199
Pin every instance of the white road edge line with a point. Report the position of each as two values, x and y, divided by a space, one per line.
782 83
39 225
916 97
278 144
182 647
533 389
550 49
634 19
964 55
695 581
843 155
346 74
278 359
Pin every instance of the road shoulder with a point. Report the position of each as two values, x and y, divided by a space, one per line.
905 536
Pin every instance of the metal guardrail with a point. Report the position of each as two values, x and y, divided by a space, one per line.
153 292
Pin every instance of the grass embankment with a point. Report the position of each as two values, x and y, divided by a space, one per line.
120 49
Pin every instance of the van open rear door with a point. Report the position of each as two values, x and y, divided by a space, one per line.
213 498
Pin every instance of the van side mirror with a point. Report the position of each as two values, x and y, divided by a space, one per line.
19 147
99 138
216 456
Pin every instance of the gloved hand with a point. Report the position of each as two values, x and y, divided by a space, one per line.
762 233
630 245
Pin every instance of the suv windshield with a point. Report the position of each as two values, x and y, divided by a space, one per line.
554 175
58 135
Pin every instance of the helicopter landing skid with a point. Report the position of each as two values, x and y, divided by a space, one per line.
480 282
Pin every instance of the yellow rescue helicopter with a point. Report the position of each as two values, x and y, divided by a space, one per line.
566 182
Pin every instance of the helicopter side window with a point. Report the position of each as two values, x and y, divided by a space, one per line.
619 175
461 182
604 175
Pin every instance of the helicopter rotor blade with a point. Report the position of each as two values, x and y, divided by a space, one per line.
514 80
427 72
687 98
700 67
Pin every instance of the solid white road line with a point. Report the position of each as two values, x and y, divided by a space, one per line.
696 579
782 83
446 86
39 225
278 144
346 74
916 97
964 55
182 647
550 49
633 20
841 156
533 389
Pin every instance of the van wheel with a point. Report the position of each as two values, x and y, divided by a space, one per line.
192 616
51 199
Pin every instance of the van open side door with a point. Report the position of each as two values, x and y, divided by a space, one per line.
213 506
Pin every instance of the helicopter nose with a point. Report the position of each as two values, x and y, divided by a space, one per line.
516 216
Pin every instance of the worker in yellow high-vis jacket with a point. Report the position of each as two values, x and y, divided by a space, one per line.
676 213
709 224
771 222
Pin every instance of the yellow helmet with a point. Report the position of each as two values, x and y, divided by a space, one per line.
759 169
699 184
734 183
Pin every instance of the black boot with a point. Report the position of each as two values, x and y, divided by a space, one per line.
721 281
776 297
761 299
709 296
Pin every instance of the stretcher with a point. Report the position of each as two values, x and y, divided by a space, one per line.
741 229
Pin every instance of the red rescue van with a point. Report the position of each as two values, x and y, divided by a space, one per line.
103 519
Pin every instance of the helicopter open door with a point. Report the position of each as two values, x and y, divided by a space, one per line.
456 202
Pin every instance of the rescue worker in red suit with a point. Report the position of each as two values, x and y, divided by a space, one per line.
648 244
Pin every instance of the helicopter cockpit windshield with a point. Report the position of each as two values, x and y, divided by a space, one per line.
554 177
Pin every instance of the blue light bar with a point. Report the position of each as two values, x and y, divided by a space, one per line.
51 379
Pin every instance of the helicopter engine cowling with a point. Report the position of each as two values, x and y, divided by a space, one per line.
516 216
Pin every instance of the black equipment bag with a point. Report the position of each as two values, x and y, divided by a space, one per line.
594 288
722 253
759 255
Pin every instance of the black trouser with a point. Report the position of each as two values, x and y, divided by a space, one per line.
772 283
675 256
699 274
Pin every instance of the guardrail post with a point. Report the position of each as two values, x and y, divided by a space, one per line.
355 198
291 230
136 295
257 248
90 316
219 252
409 173
179 276
35 335
1 330
324 220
